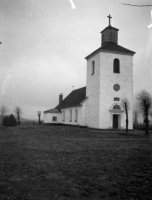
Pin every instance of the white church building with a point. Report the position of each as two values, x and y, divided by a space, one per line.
109 79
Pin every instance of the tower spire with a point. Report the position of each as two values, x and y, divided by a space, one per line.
109 19
109 34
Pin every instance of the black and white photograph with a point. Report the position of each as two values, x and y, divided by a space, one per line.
75 99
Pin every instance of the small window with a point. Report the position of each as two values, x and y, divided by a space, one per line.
93 67
116 107
54 119
70 115
63 115
116 67
76 115
116 99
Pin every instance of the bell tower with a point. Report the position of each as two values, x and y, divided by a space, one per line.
109 34
109 80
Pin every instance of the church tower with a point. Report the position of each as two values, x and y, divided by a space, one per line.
109 80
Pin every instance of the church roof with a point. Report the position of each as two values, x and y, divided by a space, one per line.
53 110
73 99
111 47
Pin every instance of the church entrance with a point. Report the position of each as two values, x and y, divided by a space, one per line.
116 116
115 121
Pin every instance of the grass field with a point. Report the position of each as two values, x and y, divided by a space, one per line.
56 162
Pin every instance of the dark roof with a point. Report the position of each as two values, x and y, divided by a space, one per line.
54 110
111 47
73 99
109 27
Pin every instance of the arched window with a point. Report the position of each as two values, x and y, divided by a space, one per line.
76 115
63 115
116 107
70 115
116 66
93 67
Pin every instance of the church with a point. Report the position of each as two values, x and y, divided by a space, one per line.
109 79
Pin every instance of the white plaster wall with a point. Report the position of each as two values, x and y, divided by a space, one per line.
92 92
81 119
84 114
67 116
48 117
107 93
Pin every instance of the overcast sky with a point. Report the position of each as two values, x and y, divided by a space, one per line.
44 43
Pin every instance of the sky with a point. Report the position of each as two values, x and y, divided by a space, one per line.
45 42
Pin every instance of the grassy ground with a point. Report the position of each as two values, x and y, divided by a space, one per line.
55 162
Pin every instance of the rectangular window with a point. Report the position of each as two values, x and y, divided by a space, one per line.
116 99
76 115
70 115
63 115
54 119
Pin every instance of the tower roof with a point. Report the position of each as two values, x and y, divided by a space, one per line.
110 27
111 48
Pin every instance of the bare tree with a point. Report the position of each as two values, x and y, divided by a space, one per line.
144 103
126 106
39 115
3 110
18 112
135 5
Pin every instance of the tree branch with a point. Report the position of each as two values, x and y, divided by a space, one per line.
135 5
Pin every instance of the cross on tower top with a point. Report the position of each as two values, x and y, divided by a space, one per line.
109 19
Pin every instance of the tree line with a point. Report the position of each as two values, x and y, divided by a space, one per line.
10 120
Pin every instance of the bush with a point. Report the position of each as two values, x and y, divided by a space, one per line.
5 121
12 120
9 121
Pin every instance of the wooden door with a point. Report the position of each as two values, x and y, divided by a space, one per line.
115 121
